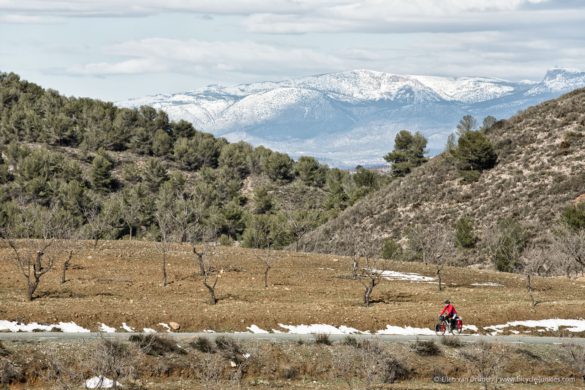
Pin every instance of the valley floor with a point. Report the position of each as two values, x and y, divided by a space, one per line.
121 282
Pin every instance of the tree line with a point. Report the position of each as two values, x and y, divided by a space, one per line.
107 172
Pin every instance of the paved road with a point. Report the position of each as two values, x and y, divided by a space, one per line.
281 337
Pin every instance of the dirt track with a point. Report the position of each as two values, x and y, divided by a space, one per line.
283 337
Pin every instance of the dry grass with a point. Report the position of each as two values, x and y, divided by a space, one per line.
121 282
308 366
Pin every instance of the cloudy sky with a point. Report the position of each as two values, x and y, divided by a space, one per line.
116 49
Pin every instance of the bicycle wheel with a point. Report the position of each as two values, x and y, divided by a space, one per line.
442 328
459 327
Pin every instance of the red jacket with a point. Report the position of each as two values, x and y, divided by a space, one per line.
449 310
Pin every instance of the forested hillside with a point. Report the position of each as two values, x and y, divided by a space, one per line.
523 180
97 171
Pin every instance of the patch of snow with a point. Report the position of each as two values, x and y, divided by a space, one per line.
550 324
473 328
398 330
149 330
256 329
166 326
408 276
67 327
106 329
100 382
318 329
127 328
208 331
246 356
487 284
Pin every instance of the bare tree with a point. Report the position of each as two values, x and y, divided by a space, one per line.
535 262
267 258
96 224
577 358
164 221
300 223
571 244
486 360
37 229
370 275
211 276
69 240
114 360
435 244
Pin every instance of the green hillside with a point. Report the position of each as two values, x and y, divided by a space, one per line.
98 171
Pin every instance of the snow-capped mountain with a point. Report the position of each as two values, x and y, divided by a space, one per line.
351 118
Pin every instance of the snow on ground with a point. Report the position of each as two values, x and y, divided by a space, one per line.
472 328
100 382
127 328
552 324
148 330
398 330
256 329
67 327
408 276
487 284
106 329
166 326
319 329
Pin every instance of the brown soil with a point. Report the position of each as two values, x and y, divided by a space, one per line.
122 282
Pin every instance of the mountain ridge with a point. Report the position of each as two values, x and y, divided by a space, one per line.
330 115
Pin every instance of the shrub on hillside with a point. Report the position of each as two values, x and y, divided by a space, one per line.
506 244
574 216
425 348
391 250
464 235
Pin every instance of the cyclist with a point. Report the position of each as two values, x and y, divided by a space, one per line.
448 314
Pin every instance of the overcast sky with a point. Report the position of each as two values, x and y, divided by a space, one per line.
116 49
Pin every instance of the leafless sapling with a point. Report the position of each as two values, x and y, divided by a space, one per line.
69 237
535 262
435 245
267 259
211 274
165 226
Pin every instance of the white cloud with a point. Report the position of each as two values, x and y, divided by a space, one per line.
352 9
165 55
26 19
404 16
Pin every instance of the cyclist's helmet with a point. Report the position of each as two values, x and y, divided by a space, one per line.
447 302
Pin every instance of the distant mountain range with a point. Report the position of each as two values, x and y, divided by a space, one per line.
351 118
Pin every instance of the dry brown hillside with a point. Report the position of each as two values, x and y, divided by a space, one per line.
540 170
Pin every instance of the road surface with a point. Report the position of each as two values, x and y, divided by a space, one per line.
281 337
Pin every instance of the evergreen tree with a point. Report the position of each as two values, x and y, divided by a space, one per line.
162 143
475 152
279 167
408 152
101 173
467 123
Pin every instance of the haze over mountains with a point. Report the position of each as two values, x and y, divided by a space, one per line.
351 118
